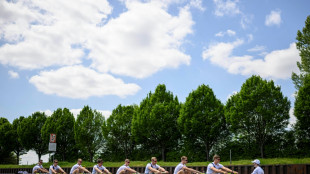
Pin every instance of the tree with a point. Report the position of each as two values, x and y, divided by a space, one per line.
154 124
259 110
88 133
202 118
17 146
61 123
29 133
117 131
302 113
303 45
6 139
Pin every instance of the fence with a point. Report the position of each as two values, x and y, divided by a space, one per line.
241 169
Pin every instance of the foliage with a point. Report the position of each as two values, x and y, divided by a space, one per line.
202 119
88 132
61 123
6 139
154 124
303 45
117 131
259 110
16 144
302 113
29 133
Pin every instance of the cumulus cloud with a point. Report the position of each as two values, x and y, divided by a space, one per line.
277 64
139 42
226 7
105 113
13 74
274 18
227 32
292 119
81 82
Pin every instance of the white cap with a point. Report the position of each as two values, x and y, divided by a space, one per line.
256 161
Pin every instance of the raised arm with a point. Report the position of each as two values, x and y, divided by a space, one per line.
62 170
229 170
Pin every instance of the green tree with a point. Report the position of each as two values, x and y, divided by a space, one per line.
88 132
6 139
61 123
202 118
17 146
303 45
29 133
302 113
117 131
259 110
154 124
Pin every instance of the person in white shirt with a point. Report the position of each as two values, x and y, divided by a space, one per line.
182 169
215 167
125 168
258 169
39 168
77 168
153 167
55 168
99 168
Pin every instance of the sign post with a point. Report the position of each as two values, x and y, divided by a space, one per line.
52 143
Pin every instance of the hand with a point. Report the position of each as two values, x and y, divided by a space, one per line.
235 172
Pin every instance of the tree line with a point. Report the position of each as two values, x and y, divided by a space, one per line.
252 123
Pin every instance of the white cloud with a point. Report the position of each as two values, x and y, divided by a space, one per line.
250 37
139 42
227 32
277 64
257 48
13 74
229 95
226 7
81 82
246 20
48 112
105 113
292 119
274 18
197 4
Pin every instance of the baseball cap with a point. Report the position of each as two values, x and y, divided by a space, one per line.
256 161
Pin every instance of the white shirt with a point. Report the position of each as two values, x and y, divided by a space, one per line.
147 170
74 167
37 167
54 168
102 168
122 168
178 168
217 166
258 170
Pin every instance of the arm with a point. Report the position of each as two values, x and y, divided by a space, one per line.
195 171
84 169
163 170
43 170
217 170
130 170
99 171
228 170
153 170
53 170
106 171
62 170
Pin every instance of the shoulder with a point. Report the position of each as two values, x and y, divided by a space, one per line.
220 165
95 166
148 164
210 165
157 165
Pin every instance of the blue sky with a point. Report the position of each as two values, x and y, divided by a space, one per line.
104 53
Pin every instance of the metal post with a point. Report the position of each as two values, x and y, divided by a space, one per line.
230 156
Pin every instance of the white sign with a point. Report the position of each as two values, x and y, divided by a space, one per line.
52 147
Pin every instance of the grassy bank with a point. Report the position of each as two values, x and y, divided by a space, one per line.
271 161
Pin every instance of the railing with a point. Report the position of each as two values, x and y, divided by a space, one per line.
241 169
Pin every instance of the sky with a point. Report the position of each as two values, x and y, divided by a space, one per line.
56 54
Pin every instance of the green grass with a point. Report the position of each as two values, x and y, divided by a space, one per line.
272 161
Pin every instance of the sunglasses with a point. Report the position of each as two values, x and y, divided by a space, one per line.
128 161
154 161
55 162
219 159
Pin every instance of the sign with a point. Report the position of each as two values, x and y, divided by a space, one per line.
52 147
52 138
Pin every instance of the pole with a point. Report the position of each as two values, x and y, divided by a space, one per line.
230 156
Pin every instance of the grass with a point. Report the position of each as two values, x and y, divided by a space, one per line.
271 161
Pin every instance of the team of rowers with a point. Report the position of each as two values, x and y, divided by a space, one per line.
213 168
